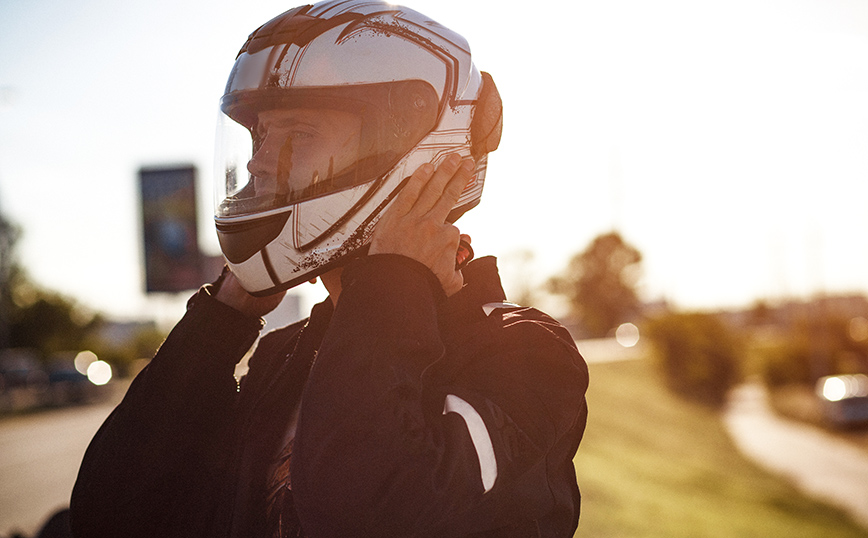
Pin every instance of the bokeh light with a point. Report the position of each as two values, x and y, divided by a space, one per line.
627 335
99 372
83 360
858 329
834 389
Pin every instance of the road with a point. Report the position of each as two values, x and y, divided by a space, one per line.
609 350
52 442
820 464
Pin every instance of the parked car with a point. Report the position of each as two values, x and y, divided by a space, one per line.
844 399
29 381
66 385
20 368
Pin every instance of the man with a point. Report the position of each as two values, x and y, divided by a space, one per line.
412 402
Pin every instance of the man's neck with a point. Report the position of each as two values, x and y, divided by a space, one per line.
332 282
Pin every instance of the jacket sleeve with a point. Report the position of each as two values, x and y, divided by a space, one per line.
386 448
153 468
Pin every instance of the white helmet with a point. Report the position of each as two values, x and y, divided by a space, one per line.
327 110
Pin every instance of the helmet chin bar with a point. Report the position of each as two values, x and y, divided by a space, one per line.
239 241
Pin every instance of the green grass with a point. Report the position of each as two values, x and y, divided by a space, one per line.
652 465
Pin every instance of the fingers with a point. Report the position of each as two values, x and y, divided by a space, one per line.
406 199
436 186
231 292
444 266
437 190
453 189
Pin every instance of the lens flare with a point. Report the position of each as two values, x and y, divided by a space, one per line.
840 387
858 329
83 360
627 335
99 372
834 389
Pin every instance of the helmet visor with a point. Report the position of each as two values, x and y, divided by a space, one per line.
281 147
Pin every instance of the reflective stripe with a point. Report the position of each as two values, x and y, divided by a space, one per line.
479 435
491 307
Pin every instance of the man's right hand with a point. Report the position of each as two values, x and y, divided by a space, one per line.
415 224
231 293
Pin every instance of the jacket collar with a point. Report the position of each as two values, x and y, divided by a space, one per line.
460 312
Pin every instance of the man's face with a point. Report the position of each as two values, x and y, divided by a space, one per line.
299 148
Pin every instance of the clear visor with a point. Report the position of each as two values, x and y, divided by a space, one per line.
278 150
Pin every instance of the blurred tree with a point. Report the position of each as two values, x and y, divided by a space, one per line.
697 353
9 234
31 316
761 313
600 284
814 345
48 321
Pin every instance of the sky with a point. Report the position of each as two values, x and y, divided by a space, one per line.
726 139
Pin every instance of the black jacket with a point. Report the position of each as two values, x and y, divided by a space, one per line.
420 416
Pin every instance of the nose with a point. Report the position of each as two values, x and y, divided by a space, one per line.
261 165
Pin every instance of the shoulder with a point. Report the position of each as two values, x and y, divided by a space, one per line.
525 364
532 347
527 326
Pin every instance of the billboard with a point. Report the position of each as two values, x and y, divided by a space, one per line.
171 247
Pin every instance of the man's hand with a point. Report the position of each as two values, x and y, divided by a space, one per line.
415 225
231 293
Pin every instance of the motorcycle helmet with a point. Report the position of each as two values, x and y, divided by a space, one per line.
327 110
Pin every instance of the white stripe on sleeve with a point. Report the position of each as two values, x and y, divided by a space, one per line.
479 435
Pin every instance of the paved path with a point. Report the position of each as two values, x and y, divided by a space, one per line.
39 458
819 464
609 350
